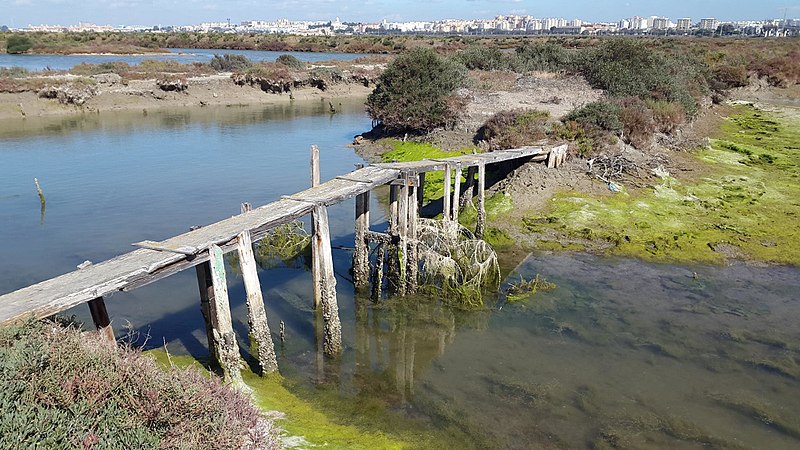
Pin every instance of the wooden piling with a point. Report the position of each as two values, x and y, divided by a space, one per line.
456 193
447 180
469 185
481 222
206 295
420 190
377 272
361 251
325 282
102 323
394 228
413 245
401 254
260 335
315 258
227 348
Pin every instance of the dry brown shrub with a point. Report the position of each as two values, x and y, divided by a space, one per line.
637 122
515 128
667 115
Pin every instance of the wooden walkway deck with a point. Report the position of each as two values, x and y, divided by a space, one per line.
159 260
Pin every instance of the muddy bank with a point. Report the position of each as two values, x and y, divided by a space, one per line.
106 94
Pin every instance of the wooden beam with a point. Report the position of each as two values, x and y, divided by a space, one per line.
102 323
224 339
260 336
481 222
326 283
361 251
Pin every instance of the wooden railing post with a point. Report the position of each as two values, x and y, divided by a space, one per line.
97 308
260 335
227 349
481 222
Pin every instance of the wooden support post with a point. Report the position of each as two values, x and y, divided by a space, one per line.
394 228
457 193
377 273
361 251
468 186
413 245
100 318
401 254
481 222
447 180
260 336
421 190
315 258
227 349
326 283
206 295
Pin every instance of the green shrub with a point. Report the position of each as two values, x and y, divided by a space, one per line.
417 93
600 115
727 76
13 72
542 57
667 115
290 61
481 58
230 62
63 389
18 44
516 128
85 69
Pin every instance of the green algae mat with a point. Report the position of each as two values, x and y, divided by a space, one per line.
746 206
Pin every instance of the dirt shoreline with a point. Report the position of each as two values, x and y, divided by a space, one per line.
112 95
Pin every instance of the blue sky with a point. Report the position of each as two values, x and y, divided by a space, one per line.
18 13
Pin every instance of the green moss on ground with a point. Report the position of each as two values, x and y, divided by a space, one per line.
417 151
748 207
322 418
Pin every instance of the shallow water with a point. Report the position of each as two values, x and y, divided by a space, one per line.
623 353
181 55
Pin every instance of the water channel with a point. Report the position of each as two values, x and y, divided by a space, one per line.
622 353
34 62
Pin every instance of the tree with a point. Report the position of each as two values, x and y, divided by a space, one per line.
18 44
417 93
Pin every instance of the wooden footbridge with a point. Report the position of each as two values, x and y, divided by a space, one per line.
203 249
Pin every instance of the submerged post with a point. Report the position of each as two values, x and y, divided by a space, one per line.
97 308
325 283
227 348
315 268
481 222
260 337
361 251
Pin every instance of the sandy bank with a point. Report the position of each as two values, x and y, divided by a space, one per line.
137 95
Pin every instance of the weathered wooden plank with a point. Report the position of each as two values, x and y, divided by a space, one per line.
260 336
465 160
102 323
224 339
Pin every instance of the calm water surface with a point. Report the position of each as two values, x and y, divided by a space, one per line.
181 55
622 354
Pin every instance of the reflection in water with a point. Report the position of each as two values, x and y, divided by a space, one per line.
655 360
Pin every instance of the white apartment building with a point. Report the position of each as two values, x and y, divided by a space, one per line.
709 24
684 24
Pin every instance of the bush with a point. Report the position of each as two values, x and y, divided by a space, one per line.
417 93
542 57
18 44
600 115
637 122
230 63
290 61
516 128
86 69
481 58
667 115
727 76
64 389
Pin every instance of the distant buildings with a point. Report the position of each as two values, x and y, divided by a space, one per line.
506 24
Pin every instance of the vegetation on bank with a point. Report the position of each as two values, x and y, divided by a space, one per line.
62 388
743 207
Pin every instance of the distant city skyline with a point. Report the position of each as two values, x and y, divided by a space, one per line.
21 13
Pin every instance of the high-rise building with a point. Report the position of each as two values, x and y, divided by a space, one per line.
684 24
660 23
709 24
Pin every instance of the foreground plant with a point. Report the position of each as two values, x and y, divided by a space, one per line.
65 389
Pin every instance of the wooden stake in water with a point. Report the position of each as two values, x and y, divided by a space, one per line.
39 189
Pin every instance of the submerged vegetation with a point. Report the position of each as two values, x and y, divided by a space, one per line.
745 207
